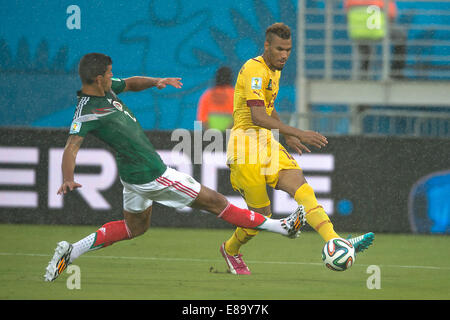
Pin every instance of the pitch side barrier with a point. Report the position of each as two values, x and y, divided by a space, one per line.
364 183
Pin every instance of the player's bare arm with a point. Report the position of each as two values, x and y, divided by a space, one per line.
262 119
73 144
291 141
141 83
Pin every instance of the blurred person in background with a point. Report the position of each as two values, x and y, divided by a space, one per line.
215 107
367 27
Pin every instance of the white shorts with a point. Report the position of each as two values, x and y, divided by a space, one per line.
173 189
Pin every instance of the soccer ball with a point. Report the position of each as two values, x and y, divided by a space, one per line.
338 254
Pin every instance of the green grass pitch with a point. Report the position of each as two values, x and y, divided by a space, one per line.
185 264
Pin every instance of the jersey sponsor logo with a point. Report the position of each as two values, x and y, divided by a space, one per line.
269 86
75 127
257 83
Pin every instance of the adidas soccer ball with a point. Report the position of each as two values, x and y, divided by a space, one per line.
338 254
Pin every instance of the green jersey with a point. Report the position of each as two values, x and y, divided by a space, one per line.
110 120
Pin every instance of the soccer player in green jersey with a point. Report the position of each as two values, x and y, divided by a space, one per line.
144 175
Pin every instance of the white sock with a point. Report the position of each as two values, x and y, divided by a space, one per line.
82 246
273 225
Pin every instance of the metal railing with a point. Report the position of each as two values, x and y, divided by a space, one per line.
375 123
411 60
327 51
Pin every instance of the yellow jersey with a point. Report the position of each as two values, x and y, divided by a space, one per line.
256 85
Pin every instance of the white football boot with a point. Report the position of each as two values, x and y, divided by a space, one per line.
59 262
294 222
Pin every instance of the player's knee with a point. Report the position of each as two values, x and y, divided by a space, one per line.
290 181
210 200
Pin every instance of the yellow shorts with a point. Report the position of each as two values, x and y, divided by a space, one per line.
251 179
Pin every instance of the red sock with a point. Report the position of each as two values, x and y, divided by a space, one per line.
241 217
111 232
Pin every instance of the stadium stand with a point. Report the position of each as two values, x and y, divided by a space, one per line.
334 99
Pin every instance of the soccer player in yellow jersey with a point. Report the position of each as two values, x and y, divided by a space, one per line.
256 159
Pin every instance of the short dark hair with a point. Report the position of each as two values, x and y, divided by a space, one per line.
279 29
92 65
224 76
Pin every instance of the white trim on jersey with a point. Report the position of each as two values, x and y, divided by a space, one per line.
83 101
93 116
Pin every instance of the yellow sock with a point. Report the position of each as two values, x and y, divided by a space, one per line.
240 237
315 214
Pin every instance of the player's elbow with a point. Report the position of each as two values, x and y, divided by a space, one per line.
257 119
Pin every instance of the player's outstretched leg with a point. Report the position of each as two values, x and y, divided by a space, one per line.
59 262
289 226
361 243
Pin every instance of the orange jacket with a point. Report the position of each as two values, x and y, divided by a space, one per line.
379 3
216 100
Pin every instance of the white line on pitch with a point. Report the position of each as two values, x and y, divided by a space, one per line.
215 260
